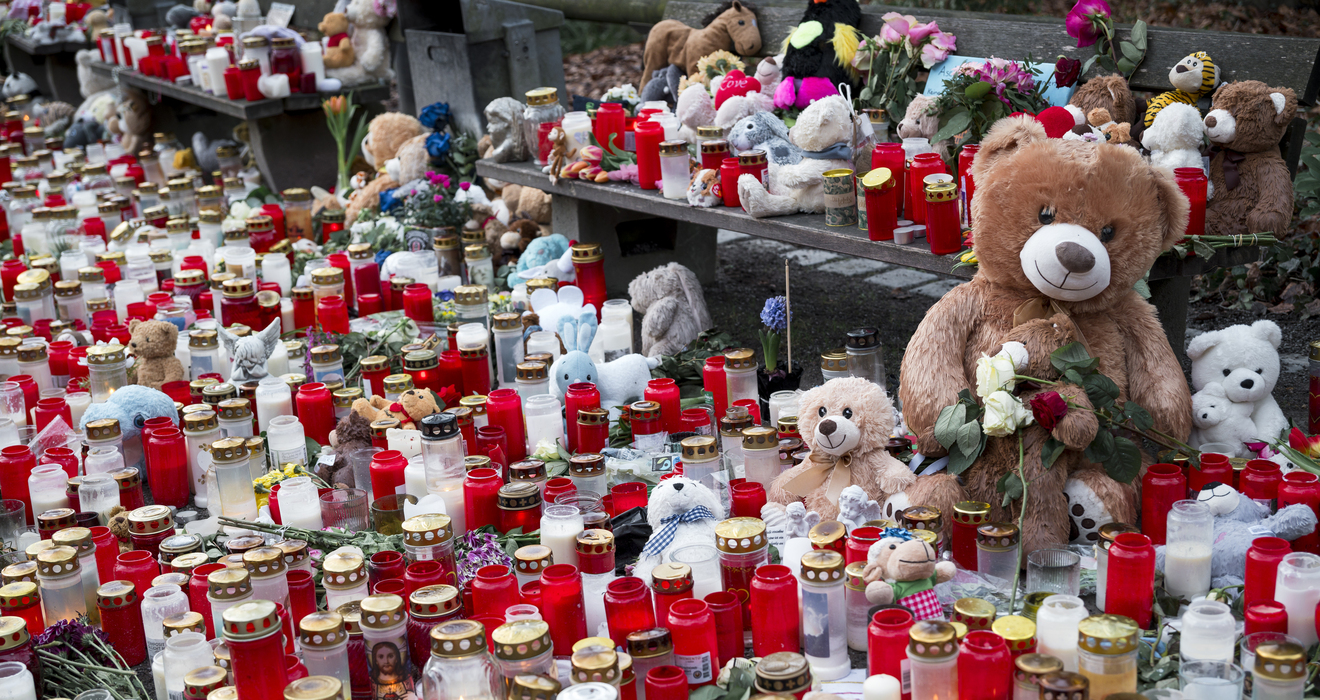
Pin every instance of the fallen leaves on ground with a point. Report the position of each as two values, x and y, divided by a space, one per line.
591 74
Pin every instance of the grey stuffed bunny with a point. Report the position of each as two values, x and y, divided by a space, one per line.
1238 521
765 131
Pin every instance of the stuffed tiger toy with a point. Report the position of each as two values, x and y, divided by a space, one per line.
1193 77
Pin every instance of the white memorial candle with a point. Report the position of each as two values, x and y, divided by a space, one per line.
1056 628
299 504
217 60
312 60
1298 588
881 687
560 526
16 682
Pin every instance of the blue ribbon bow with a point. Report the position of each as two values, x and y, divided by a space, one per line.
665 536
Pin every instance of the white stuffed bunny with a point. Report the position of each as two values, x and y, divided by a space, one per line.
1220 420
619 381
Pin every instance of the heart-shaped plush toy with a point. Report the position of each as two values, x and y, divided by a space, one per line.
735 83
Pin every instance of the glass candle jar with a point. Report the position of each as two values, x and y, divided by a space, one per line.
148 526
1194 184
1107 654
459 665
21 599
674 174
168 470
943 229
562 606
1056 628
985 667
754 163
1263 557
523 647
1190 535
1297 587
1209 632
774 610
120 607
1259 482
323 640
253 635
671 583
344 575
701 460
107 368
967 517
384 631
933 660
504 409
431 538
519 504
579 396
998 551
1028 669
1279 671
1129 588
826 641
159 603
760 447
696 649
1161 487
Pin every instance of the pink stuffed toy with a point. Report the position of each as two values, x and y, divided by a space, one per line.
735 83
800 92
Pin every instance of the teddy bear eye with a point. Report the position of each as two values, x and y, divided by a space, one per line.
893 546
1106 234
1260 371
741 23
821 412
1046 215
847 413
1227 372
565 376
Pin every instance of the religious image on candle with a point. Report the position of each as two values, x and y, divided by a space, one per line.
391 678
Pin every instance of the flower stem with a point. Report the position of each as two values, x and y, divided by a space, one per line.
1022 514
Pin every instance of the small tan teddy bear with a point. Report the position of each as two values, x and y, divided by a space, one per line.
153 343
412 406
339 49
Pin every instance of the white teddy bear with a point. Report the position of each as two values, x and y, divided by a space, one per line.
1174 139
680 511
800 186
1219 420
370 46
1245 361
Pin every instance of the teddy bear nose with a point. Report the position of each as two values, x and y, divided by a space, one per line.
678 486
1210 121
827 427
1248 383
1074 257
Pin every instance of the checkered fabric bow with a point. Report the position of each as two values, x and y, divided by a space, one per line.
661 539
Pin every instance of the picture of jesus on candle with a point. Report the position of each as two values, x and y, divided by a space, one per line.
389 676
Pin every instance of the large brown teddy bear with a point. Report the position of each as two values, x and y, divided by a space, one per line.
386 135
1253 192
847 422
1065 224
152 343
1109 92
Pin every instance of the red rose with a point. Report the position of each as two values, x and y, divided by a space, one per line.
1066 72
1048 407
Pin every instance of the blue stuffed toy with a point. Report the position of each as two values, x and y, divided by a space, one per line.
540 252
132 406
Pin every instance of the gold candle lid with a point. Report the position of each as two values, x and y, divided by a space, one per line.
521 639
1018 632
1029 667
381 611
741 535
1280 661
150 519
58 562
427 530
1062 685
229 584
187 621
976 613
344 570
783 673
852 576
921 518
471 462
322 630
532 559
264 562
314 688
1110 531
529 687
534 372
22 571
18 595
827 534
594 663
974 513
700 448
519 495
997 536
822 566
645 644
741 358
458 638
671 579
1109 635
13 632
932 639
200 682
760 438
435 601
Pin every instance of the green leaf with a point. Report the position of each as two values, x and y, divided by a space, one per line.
1050 451
1142 288
1100 389
1203 249
960 461
1072 376
977 90
1073 356
865 95
969 437
1011 486
1124 466
1101 448
1086 65
956 124
1107 63
1138 415
1138 34
946 426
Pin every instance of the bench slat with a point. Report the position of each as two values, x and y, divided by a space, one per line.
800 229
1275 60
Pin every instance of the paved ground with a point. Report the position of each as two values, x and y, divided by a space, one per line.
832 293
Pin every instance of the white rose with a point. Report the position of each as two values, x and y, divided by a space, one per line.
1004 414
1017 352
239 210
993 374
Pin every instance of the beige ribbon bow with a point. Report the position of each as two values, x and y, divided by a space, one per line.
835 473
1044 307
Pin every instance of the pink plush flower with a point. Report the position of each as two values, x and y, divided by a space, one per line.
439 198
918 32
1083 18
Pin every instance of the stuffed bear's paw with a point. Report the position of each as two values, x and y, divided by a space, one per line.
944 571
879 593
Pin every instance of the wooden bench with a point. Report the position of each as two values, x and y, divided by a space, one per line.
614 214
289 138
